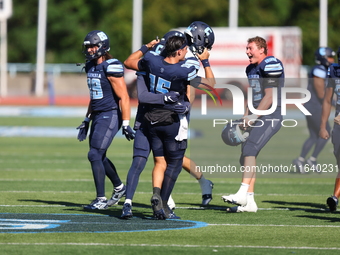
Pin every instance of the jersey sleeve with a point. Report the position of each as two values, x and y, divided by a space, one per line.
320 71
114 68
272 71
330 81
193 65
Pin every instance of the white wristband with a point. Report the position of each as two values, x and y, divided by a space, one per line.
126 123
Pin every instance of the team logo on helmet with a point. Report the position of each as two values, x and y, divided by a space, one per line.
232 134
322 54
98 38
199 36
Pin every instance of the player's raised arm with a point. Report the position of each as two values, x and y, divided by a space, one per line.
132 61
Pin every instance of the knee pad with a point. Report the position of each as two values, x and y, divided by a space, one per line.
95 154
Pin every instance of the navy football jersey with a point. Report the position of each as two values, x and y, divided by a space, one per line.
102 94
268 74
333 81
317 71
165 77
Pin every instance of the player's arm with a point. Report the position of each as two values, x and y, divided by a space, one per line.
319 86
272 74
209 75
265 103
208 81
191 94
120 89
326 109
146 97
132 61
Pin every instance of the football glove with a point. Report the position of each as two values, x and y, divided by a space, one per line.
83 129
171 97
128 132
182 108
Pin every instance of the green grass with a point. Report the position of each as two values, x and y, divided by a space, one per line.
53 176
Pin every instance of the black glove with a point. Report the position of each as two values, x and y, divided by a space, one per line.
128 132
182 108
83 129
171 97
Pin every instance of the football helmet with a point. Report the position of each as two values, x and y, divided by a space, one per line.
99 38
321 55
199 35
232 134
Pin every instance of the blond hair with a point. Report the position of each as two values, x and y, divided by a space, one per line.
260 43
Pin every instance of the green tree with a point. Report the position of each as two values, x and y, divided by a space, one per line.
69 21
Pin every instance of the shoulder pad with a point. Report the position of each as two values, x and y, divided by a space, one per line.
114 67
272 67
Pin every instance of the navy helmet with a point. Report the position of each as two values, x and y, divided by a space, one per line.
199 36
232 134
321 55
98 38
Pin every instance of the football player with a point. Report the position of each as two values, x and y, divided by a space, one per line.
333 85
324 57
265 74
108 110
141 148
167 131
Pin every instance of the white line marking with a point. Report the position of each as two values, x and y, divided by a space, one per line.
185 246
272 225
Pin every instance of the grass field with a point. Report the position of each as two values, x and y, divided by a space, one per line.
50 179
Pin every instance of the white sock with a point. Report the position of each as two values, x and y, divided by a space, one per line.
118 188
250 197
128 201
301 159
312 158
243 189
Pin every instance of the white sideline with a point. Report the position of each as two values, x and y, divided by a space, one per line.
184 246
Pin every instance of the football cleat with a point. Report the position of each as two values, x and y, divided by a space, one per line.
169 214
207 192
313 165
299 166
126 211
171 203
249 207
116 196
97 204
235 199
157 207
206 198
332 203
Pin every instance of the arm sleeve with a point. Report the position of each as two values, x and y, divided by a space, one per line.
144 96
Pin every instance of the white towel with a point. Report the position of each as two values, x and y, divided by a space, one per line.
183 128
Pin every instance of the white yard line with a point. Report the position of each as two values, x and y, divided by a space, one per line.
178 245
